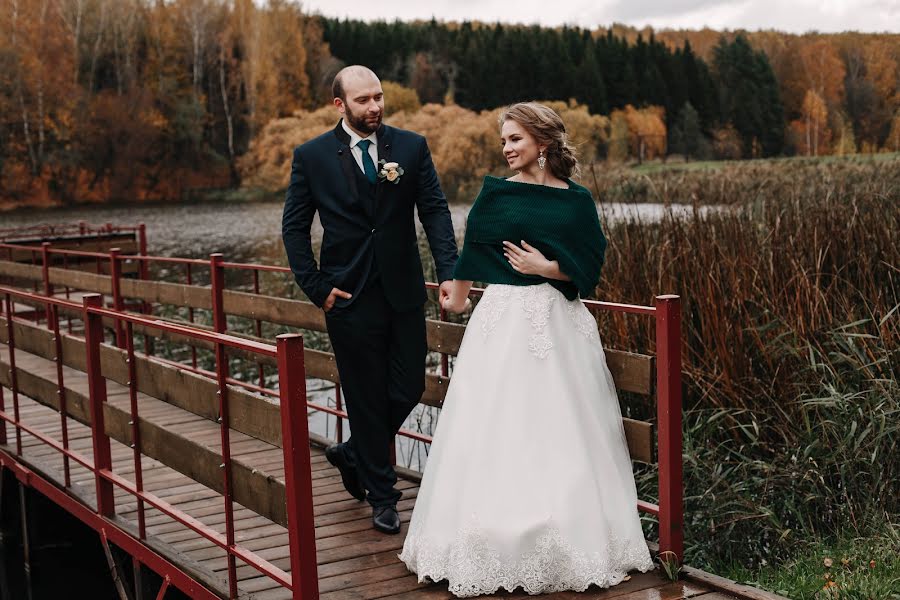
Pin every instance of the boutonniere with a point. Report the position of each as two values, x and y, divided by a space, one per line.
389 171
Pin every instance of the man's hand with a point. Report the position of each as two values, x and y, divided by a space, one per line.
456 304
335 293
445 288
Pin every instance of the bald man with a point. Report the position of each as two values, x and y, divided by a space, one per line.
369 277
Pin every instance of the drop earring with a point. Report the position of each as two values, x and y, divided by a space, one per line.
541 161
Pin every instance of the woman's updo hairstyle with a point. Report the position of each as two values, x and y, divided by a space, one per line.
548 129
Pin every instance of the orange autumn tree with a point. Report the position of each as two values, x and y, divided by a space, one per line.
811 132
646 130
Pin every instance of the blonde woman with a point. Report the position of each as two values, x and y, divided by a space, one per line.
529 482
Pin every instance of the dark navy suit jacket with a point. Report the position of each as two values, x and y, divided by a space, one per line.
357 233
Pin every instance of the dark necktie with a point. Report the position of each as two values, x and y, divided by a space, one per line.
368 165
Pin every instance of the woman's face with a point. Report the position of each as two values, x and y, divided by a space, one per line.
520 148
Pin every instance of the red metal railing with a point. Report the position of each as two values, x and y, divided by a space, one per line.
302 580
666 313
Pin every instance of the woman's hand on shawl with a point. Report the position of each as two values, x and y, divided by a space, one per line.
528 260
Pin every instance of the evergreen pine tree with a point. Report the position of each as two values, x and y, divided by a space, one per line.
748 96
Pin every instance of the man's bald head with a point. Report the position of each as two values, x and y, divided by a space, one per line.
359 98
349 76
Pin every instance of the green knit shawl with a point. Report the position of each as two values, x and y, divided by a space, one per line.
561 223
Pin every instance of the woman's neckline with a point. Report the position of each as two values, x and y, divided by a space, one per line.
568 181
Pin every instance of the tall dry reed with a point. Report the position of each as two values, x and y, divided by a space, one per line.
791 344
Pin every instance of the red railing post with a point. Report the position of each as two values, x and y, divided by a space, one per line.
143 271
93 337
53 323
45 276
13 372
68 292
189 280
217 285
668 413
135 428
297 469
45 268
115 276
260 369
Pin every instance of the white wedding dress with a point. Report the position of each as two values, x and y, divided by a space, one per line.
529 481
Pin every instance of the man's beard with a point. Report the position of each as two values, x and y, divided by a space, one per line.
359 122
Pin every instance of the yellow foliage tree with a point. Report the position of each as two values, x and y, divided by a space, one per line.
267 163
619 137
275 67
815 124
398 98
845 140
646 130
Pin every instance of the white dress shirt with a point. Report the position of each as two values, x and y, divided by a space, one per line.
356 151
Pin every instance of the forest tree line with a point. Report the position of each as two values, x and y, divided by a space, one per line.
143 99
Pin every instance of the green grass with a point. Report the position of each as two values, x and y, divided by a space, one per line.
847 568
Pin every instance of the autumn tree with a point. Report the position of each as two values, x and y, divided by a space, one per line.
812 127
646 130
398 98
844 139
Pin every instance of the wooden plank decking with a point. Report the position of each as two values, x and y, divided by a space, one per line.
354 561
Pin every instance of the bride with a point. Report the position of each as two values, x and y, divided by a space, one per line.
529 481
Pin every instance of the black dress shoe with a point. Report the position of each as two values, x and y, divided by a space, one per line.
349 476
385 519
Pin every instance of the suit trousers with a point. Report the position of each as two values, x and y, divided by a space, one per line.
380 356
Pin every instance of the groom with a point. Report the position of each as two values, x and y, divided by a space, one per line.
369 278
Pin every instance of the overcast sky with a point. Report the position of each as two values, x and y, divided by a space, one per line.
787 15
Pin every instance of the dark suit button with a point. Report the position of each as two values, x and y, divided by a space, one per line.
373 231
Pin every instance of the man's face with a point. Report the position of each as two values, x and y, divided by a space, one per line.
364 105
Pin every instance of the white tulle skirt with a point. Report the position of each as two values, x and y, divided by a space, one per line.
529 481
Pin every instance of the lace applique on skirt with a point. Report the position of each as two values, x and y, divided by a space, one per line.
537 300
583 320
473 567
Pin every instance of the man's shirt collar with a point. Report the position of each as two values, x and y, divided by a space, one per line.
354 137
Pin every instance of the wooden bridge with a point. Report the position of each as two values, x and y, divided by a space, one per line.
136 425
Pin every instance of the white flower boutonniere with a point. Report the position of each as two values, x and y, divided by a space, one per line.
389 171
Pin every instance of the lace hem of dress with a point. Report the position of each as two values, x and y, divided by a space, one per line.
472 568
